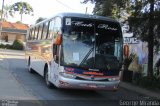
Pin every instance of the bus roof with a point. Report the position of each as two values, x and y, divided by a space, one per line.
80 15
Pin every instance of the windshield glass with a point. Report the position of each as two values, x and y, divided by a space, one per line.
91 44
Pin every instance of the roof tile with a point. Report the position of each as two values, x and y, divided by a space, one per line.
18 26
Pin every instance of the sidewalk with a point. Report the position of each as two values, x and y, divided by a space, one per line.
140 90
12 52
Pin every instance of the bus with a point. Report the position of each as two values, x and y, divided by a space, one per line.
76 51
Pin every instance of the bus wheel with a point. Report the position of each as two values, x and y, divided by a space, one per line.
29 67
48 83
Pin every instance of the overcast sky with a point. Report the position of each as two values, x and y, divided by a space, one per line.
47 8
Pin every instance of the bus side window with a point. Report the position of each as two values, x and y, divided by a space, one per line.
30 33
40 31
51 30
48 24
57 26
55 53
36 32
45 30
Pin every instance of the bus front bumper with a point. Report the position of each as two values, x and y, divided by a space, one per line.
87 84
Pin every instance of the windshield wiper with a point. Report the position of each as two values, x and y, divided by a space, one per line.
87 55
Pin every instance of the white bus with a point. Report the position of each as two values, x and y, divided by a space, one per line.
78 51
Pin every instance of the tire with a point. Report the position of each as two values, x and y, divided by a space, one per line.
29 67
48 83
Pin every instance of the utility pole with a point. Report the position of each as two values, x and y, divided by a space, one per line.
1 20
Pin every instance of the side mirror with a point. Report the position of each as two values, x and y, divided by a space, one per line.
126 50
58 39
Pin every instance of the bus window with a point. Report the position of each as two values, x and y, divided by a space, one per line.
40 32
57 26
56 52
45 30
36 33
48 24
30 33
51 31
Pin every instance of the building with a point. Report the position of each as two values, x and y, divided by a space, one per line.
12 31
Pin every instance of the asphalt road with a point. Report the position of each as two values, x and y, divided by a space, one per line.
35 85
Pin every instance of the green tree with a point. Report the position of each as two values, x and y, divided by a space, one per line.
18 44
40 19
6 12
22 8
113 8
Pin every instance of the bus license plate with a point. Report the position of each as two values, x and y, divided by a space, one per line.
92 85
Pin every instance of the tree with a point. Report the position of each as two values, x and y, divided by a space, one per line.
22 8
113 8
6 12
151 37
40 19
145 24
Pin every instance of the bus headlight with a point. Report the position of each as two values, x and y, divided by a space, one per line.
114 79
67 75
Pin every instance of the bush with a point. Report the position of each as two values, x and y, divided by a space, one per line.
2 45
17 45
7 46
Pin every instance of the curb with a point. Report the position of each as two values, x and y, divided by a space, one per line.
140 90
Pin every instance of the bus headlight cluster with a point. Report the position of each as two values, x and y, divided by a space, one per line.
67 75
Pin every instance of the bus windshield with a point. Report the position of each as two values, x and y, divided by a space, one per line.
91 44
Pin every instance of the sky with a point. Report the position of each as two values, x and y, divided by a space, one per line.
48 8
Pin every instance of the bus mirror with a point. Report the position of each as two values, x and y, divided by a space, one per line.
126 50
58 40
